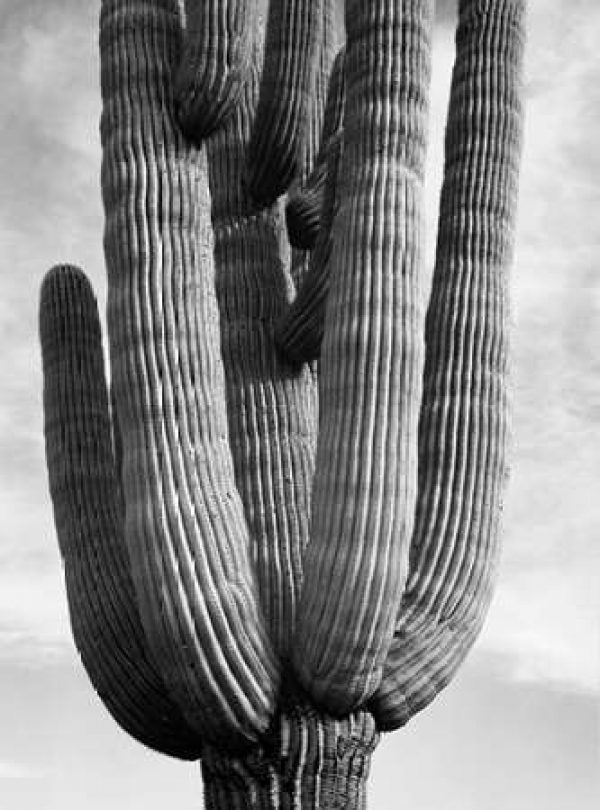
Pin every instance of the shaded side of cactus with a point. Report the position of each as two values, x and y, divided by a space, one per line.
303 208
300 330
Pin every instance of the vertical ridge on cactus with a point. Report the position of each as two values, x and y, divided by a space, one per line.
464 418
88 513
214 62
274 154
185 526
371 363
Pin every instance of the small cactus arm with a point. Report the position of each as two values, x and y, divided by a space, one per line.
303 209
463 428
371 363
88 510
300 330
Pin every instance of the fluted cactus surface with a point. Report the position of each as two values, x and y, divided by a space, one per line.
309 760
463 425
272 408
275 150
88 510
371 364
214 62
184 522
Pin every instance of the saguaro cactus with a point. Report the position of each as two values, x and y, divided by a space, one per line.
258 579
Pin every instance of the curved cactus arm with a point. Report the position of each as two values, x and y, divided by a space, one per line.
214 62
184 524
272 410
303 209
275 151
89 521
464 418
371 364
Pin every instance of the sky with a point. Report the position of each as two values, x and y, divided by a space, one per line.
518 729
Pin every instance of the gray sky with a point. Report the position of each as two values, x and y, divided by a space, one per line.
518 729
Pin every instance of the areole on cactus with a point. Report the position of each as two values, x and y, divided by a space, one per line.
268 560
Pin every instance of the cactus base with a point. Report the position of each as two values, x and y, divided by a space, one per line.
307 760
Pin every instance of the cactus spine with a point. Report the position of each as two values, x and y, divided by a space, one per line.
224 611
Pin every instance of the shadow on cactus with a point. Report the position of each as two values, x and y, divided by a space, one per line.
271 560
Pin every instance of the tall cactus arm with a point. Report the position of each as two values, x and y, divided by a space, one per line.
303 209
275 150
214 62
272 410
371 364
89 520
464 421
184 522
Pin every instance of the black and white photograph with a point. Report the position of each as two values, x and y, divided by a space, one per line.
300 414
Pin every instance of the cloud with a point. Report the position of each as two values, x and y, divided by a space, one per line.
34 624
16 770
543 625
50 210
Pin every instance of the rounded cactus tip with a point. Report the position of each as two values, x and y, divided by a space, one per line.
65 273
64 292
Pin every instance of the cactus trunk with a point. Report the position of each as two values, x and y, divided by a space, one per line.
308 761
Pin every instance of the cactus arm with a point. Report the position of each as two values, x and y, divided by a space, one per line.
272 411
214 62
185 526
371 364
303 209
275 150
88 513
464 418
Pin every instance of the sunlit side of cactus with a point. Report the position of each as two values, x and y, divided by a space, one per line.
255 579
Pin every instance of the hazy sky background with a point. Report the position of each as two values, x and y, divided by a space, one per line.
518 729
